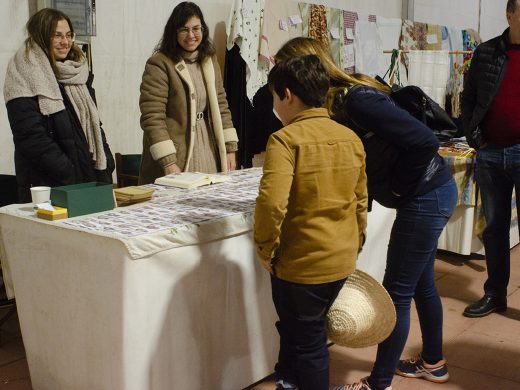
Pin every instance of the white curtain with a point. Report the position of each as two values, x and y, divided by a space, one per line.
430 70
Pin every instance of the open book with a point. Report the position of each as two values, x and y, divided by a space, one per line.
190 179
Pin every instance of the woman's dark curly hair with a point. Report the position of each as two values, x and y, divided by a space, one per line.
168 44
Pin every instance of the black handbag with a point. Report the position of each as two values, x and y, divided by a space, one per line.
414 100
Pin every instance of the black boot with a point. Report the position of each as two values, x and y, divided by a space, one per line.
487 305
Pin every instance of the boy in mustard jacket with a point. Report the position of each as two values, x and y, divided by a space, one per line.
310 217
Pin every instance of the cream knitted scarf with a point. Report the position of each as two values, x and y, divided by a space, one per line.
73 76
29 74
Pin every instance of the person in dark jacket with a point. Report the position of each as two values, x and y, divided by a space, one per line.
491 118
52 110
405 172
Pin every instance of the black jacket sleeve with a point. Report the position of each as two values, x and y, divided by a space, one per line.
35 142
469 98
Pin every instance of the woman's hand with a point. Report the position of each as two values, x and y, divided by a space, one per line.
171 168
231 161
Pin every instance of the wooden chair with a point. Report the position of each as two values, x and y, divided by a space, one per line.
127 169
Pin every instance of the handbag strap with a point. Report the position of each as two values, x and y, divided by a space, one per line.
393 69
395 75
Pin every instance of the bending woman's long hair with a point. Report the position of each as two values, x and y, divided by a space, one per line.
340 81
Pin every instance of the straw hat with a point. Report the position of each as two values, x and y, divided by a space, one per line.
363 314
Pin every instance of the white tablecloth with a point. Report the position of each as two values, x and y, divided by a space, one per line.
104 310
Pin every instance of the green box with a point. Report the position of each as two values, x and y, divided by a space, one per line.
83 198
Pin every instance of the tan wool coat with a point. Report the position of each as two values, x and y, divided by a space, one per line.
168 114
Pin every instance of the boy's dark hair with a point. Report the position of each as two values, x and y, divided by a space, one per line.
304 76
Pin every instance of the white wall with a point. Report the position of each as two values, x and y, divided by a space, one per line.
493 18
387 8
13 16
128 30
463 13
459 13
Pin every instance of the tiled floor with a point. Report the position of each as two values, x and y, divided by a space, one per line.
482 353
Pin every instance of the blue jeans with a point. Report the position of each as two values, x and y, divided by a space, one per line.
303 360
409 274
497 171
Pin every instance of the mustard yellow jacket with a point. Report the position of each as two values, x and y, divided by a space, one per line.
311 210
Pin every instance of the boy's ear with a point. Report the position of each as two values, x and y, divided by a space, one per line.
288 95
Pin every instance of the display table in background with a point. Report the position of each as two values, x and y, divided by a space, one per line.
162 295
461 234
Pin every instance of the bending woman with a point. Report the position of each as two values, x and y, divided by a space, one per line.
52 109
184 112
405 172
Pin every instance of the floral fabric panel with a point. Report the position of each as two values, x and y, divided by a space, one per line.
413 37
318 24
243 30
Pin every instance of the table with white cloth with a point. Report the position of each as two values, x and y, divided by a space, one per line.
463 232
166 294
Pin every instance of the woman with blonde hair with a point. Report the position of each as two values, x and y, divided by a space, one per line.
52 109
405 172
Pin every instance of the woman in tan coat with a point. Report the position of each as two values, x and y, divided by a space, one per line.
184 112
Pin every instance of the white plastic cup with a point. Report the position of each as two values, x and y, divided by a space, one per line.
40 194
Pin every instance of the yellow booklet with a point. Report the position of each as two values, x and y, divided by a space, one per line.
190 180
